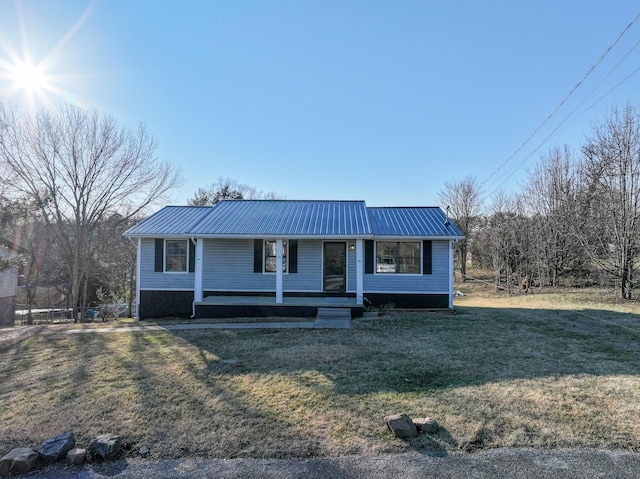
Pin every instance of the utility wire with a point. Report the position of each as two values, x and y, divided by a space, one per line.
562 102
542 143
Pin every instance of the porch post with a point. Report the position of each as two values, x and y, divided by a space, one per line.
199 270
359 273
279 271
451 272
138 270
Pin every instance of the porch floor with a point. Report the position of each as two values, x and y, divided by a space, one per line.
325 302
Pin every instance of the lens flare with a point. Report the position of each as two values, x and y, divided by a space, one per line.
32 77
29 77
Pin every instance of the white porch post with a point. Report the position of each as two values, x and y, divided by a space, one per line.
138 270
279 271
451 272
199 271
197 276
359 272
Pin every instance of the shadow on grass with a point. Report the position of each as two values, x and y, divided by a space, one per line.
379 365
249 391
437 444
424 353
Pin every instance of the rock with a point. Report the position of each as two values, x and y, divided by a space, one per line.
428 425
19 461
76 456
143 451
56 448
401 425
105 446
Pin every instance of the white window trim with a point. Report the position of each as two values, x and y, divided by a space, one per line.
164 257
264 257
375 258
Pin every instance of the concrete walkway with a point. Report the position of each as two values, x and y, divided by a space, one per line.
324 324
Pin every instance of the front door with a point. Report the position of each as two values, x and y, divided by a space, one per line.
335 266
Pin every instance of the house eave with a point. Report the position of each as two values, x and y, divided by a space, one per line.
416 238
273 236
245 236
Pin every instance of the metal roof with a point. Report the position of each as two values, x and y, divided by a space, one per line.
170 220
412 221
288 218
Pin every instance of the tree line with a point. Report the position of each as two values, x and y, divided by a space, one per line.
575 221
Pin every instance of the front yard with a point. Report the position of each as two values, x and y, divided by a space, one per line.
544 370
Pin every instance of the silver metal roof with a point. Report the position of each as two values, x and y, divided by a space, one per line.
412 221
287 218
170 220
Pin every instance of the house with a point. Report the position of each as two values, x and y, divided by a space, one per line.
287 258
8 281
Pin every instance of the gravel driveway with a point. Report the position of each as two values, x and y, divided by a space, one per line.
499 463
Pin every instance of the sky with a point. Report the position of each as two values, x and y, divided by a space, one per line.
382 101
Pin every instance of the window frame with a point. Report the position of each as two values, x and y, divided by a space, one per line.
397 242
285 256
166 253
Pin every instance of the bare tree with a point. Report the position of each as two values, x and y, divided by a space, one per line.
506 235
551 197
465 202
116 262
228 189
612 197
80 167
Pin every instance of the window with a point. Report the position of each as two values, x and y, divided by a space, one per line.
270 256
176 252
398 257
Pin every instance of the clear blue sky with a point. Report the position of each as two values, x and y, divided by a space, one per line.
376 100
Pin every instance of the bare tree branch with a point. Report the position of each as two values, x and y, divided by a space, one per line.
81 168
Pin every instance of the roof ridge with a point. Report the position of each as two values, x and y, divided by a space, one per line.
186 206
400 207
291 201
192 228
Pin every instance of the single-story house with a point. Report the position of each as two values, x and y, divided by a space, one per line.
287 258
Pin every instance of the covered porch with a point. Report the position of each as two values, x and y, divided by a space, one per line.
231 306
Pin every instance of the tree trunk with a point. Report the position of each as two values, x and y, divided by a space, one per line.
463 260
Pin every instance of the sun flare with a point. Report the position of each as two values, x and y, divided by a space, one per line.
29 78
34 78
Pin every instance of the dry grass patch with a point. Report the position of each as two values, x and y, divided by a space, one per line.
505 372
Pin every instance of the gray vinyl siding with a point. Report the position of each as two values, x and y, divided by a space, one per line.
149 279
437 282
351 269
8 282
228 266
309 275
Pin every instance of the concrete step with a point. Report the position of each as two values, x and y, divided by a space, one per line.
334 313
333 318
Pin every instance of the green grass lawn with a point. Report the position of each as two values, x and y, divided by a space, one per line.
547 370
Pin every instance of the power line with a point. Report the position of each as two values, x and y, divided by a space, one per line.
562 102
557 128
